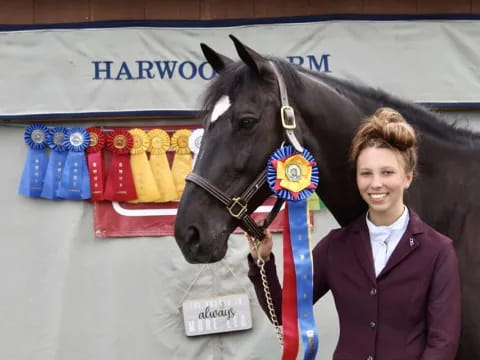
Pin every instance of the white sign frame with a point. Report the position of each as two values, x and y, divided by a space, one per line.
220 314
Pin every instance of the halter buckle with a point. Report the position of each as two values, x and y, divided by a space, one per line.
242 208
288 117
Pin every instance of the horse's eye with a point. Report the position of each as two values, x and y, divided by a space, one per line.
246 123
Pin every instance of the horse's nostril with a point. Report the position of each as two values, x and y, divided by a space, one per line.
193 239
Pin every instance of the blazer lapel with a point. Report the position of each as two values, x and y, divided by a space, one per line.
363 248
407 245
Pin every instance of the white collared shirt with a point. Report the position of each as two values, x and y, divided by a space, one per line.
384 239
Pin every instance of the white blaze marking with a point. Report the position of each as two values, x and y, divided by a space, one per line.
220 107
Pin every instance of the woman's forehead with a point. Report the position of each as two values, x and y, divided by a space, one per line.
379 157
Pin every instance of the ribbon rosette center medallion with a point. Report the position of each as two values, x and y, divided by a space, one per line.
294 174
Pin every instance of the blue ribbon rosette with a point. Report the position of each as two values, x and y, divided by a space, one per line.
294 177
31 183
56 142
291 175
75 181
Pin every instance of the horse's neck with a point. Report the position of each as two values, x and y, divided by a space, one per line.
447 186
327 129
328 123
452 167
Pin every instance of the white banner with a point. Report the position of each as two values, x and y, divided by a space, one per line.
155 70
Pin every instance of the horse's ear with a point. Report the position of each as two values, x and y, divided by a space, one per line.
250 57
218 61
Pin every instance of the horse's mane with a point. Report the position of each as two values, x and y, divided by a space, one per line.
367 99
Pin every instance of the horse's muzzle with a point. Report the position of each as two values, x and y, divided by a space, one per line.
197 250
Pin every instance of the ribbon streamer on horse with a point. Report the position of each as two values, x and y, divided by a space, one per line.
294 177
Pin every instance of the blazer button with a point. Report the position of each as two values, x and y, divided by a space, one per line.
372 325
373 291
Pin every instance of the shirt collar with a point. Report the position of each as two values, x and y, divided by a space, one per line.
382 229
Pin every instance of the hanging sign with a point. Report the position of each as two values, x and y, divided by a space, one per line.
217 315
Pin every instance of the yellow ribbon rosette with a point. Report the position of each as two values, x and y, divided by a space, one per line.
159 144
295 173
182 162
143 179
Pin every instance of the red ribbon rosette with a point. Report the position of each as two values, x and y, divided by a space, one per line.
119 184
95 162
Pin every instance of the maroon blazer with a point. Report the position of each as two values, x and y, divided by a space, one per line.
410 311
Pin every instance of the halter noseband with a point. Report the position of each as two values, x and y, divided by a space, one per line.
237 206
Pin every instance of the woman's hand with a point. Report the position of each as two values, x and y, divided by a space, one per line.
264 246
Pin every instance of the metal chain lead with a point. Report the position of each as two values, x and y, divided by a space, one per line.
268 296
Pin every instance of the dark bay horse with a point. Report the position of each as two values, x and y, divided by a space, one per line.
241 137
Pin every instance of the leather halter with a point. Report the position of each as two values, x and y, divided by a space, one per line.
237 206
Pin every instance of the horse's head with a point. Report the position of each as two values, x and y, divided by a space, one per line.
242 128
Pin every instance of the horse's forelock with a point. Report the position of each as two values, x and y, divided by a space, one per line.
239 73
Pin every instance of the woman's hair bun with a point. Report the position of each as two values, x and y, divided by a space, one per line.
386 128
390 125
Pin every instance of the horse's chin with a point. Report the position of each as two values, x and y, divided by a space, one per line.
204 259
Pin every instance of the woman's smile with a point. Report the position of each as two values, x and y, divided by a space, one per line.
382 180
378 196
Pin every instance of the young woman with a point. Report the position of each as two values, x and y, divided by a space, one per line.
394 279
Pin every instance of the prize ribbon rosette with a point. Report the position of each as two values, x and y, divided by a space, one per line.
159 144
31 183
95 162
143 179
194 142
119 181
182 162
293 176
75 182
56 141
